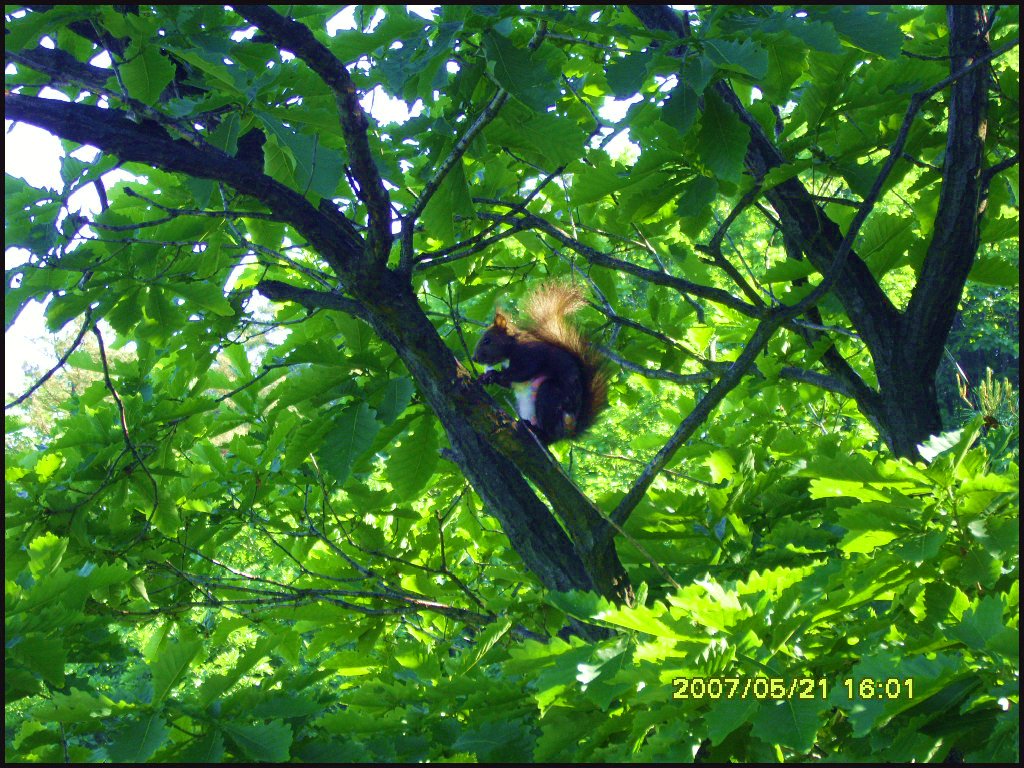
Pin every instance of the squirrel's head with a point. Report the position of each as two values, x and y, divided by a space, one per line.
494 345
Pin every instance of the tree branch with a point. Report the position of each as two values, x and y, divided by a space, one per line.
86 326
714 247
665 339
999 167
61 67
434 182
651 373
820 380
769 324
407 261
468 247
123 421
597 257
275 290
762 335
299 39
334 237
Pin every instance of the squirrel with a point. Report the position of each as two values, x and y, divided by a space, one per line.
559 379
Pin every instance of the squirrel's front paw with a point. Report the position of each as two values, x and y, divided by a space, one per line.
488 377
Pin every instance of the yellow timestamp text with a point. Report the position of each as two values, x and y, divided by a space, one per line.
779 688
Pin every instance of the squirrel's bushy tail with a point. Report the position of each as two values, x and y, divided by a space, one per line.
546 309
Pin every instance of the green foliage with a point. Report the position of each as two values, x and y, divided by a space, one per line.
235 531
804 577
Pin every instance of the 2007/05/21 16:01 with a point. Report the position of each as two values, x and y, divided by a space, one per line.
776 688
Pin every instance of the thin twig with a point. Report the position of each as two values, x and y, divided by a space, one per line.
86 325
595 256
434 182
407 259
124 421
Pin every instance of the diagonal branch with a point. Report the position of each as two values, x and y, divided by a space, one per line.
867 305
829 383
299 39
730 379
434 182
668 341
468 247
661 374
406 263
123 421
762 335
86 325
595 256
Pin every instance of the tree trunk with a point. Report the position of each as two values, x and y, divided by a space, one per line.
909 407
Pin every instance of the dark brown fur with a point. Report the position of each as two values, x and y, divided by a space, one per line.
574 383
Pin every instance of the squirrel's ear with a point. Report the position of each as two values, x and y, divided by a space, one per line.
500 321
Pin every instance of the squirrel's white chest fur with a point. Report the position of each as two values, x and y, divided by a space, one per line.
526 398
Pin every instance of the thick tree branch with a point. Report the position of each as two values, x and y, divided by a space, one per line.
299 39
765 329
904 384
497 454
147 142
275 290
64 69
848 381
61 67
868 307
